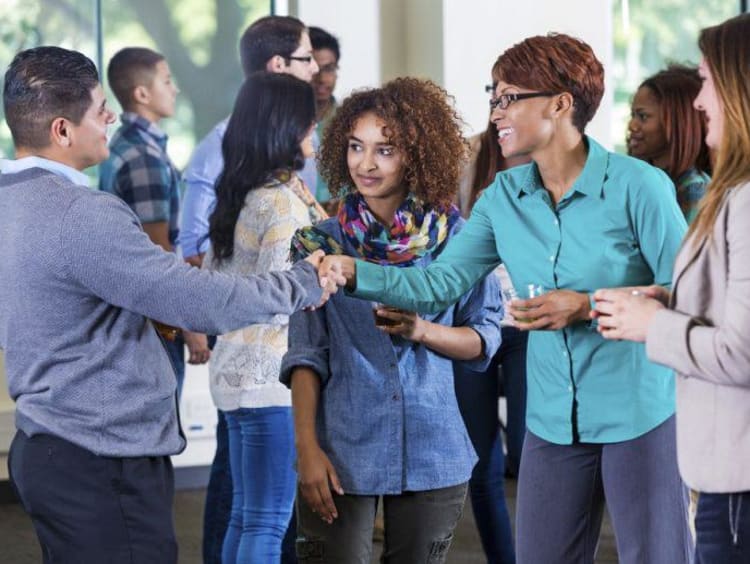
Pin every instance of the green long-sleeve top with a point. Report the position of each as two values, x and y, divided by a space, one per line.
618 225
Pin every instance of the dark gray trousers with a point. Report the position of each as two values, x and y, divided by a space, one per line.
89 509
418 528
562 491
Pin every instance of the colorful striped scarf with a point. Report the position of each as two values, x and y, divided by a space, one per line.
418 229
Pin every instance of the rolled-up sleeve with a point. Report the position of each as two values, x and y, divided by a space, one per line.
308 345
482 310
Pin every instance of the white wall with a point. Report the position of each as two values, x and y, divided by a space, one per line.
356 24
379 38
475 32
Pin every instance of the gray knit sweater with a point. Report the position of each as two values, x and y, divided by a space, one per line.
78 281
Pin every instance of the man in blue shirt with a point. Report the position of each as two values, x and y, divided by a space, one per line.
274 44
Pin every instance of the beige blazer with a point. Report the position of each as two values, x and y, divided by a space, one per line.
705 337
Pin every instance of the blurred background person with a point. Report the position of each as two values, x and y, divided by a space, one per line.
327 54
478 392
702 328
275 44
666 131
260 204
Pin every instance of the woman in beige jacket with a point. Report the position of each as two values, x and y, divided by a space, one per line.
702 328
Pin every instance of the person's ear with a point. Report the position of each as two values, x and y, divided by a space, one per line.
60 132
276 64
141 95
563 103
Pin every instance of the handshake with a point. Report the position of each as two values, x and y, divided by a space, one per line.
334 271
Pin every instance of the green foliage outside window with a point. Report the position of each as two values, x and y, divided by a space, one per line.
198 37
648 35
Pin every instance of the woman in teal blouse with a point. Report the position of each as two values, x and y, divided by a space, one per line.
600 416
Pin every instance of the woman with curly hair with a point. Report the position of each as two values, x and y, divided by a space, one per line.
260 204
665 130
372 387
599 415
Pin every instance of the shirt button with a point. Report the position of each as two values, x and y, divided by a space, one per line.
552 258
556 222
570 388
392 365
395 397
565 353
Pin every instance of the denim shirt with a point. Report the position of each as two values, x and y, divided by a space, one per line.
387 415
618 225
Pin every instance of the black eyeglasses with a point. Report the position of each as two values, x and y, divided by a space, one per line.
329 68
505 100
306 59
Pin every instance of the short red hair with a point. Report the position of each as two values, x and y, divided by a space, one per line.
556 63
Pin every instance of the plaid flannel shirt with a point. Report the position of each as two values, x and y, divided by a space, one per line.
141 173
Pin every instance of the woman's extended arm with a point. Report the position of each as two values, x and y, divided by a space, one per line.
466 259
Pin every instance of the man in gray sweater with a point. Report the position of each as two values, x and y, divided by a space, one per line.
80 283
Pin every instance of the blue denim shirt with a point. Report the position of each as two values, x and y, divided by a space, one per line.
618 225
387 416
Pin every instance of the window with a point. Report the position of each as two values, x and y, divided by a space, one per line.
199 38
648 35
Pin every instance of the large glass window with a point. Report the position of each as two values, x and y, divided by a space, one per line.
198 37
648 35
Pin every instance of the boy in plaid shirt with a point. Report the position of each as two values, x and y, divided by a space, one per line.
138 169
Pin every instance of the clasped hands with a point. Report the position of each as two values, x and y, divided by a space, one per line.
330 274
625 313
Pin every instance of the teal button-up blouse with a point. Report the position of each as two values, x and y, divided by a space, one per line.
618 225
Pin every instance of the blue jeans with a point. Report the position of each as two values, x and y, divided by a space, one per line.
176 352
511 356
716 525
477 394
562 490
261 456
218 505
218 496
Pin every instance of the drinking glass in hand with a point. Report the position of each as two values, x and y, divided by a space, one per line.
532 291
380 320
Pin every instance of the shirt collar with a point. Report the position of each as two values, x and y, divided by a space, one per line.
591 180
150 128
10 166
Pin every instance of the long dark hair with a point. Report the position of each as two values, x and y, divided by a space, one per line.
489 162
676 87
271 116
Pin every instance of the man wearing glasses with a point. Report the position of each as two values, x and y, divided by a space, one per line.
275 44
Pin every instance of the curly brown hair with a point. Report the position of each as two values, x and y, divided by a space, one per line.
421 123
